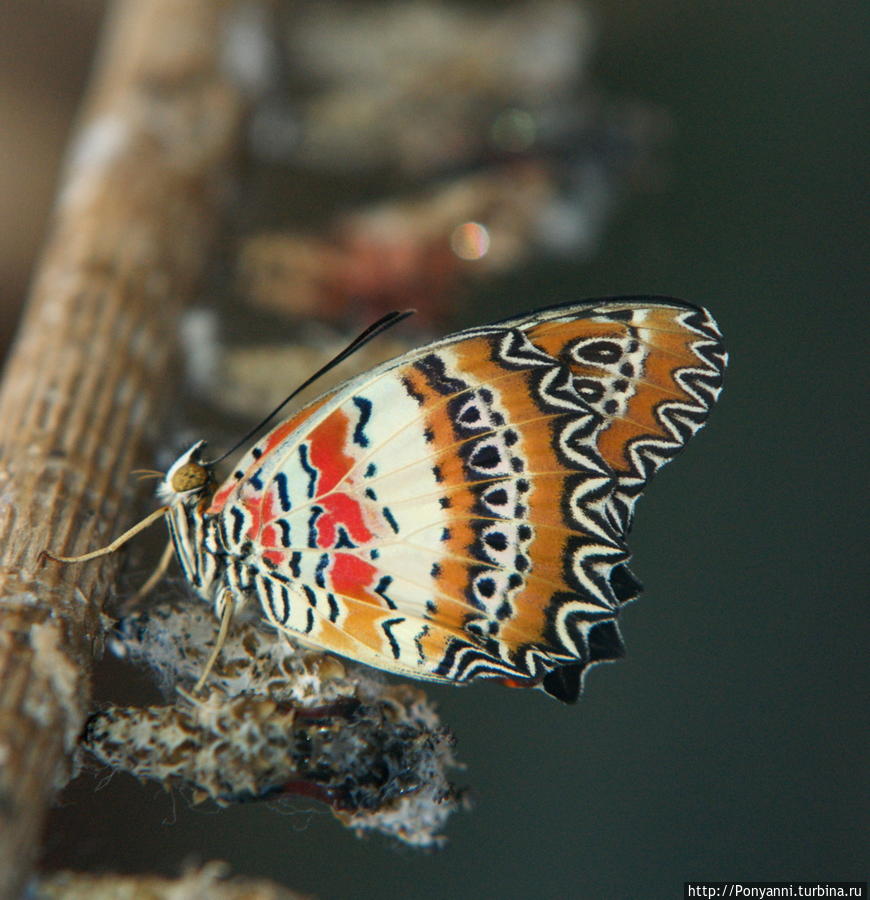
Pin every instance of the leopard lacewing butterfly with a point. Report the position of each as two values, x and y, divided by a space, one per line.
461 511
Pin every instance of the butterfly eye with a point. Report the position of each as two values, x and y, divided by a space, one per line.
189 477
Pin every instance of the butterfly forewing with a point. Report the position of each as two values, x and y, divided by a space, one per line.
461 511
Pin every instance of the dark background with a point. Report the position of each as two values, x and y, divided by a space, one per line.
731 743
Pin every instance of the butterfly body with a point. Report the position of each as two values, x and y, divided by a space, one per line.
461 511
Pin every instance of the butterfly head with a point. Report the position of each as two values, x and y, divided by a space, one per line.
190 479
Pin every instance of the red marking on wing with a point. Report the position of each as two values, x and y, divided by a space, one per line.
341 509
285 429
255 508
351 575
269 537
221 497
327 443
275 556
267 508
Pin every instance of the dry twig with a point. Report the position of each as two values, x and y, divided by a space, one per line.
85 381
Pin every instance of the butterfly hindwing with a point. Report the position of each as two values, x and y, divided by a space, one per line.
461 511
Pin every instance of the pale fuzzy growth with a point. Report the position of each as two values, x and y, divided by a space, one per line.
175 643
278 720
212 880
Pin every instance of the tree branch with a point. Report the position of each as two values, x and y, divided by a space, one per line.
88 374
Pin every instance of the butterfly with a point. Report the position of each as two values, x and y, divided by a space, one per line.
461 511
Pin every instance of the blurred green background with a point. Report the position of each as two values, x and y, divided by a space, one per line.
731 742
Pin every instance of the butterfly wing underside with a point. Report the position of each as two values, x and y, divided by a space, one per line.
462 511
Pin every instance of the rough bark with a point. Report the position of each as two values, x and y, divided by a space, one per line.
85 382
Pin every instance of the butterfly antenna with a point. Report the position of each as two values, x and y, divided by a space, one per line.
375 329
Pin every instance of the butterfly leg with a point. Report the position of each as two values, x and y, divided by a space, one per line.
226 618
109 548
154 577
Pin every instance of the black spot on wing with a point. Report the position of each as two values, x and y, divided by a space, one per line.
381 591
293 562
387 627
433 369
308 469
313 538
564 683
343 539
319 571
605 642
238 523
365 413
283 491
391 521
